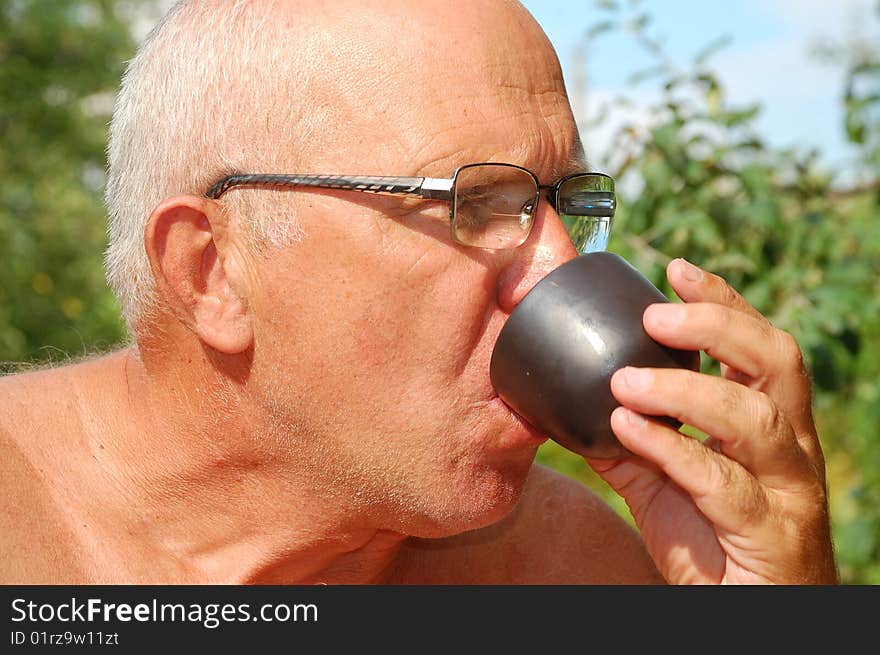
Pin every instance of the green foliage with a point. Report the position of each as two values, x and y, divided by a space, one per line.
803 251
60 63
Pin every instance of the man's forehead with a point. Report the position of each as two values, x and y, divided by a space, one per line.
451 91
562 155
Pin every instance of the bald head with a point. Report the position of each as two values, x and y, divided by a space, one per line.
348 86
394 75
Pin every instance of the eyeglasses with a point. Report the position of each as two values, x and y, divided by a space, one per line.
491 205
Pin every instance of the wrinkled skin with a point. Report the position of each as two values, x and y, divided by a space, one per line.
749 505
386 321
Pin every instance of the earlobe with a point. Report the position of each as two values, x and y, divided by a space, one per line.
191 276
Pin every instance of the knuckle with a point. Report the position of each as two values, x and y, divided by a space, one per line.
810 502
817 493
812 450
717 476
768 418
729 295
731 401
791 351
752 504
724 472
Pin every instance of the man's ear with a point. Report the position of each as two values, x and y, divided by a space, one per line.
192 274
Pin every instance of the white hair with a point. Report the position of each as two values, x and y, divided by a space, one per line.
197 102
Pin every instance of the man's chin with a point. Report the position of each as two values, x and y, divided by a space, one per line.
484 499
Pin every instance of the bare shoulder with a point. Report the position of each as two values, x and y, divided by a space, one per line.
559 533
26 515
30 401
32 534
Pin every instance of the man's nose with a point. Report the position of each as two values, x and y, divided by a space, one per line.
548 247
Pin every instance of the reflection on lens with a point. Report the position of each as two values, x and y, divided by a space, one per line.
589 234
586 205
493 206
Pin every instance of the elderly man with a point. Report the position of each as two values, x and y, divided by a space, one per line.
306 397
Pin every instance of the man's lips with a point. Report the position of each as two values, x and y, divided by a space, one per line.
525 427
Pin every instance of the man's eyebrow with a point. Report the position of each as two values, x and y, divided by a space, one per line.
576 163
577 160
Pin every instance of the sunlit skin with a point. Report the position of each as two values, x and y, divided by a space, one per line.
749 506
322 412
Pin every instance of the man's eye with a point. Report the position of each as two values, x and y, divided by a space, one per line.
473 194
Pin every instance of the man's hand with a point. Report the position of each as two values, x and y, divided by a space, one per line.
749 504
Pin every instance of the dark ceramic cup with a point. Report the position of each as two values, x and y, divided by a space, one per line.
553 361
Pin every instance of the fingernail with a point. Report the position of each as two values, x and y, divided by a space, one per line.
666 314
690 271
635 419
637 379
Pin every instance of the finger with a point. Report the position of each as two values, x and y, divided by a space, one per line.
693 284
635 479
720 487
748 424
730 336
753 351
740 341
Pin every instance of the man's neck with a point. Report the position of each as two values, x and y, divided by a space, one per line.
179 485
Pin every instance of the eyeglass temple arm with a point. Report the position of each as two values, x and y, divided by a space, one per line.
418 187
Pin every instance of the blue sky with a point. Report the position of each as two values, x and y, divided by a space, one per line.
768 59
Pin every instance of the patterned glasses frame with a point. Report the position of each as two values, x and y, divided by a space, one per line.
600 203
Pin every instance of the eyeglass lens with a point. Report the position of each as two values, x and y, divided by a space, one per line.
586 204
493 206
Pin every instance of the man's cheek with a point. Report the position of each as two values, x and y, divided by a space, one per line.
372 341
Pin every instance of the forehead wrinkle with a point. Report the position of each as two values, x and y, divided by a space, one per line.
546 151
553 158
445 164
